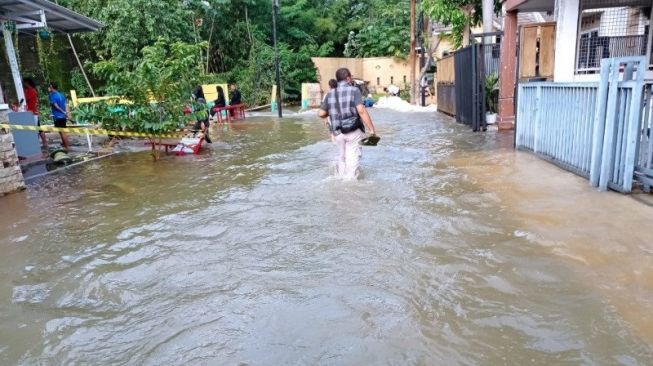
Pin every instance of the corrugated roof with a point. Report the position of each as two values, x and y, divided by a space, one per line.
58 18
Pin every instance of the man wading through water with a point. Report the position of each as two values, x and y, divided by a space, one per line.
349 119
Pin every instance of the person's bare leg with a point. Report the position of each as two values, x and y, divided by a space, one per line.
44 139
64 140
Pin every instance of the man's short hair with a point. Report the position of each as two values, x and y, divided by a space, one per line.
29 81
54 86
342 74
333 84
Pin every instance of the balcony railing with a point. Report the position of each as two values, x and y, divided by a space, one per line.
591 50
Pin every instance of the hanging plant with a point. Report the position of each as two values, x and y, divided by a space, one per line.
43 58
17 49
51 48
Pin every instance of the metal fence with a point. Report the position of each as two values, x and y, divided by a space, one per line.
594 130
491 58
620 105
555 120
644 163
462 80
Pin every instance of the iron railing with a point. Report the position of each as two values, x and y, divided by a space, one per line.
592 50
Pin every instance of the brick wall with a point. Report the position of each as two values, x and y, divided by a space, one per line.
11 177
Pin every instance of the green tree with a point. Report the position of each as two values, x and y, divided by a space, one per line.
381 28
157 86
131 25
238 35
461 15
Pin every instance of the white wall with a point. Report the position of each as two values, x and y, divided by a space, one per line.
566 12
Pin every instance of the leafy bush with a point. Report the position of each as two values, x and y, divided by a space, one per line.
491 92
258 76
158 87
78 83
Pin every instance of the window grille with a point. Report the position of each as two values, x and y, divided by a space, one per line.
606 32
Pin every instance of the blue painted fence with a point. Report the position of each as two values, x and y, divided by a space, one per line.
595 130
555 120
644 165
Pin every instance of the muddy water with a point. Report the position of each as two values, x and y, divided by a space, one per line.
453 250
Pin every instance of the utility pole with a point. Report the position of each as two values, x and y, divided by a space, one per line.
275 8
488 10
413 89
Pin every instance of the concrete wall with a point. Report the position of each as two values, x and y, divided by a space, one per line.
11 177
566 14
379 71
383 71
327 66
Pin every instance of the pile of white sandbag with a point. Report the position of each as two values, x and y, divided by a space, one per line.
398 104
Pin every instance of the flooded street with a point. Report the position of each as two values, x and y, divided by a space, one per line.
452 250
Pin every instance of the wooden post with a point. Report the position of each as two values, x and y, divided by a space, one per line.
508 73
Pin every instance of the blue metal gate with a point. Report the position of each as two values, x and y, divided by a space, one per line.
594 130
644 159
618 119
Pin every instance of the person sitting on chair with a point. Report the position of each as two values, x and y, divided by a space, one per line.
219 102
235 98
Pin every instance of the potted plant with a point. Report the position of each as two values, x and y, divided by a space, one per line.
491 97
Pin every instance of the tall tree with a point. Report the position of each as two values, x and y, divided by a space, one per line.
461 15
385 29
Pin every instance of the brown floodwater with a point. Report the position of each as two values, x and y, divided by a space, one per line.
453 249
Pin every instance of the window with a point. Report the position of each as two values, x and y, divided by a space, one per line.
378 81
404 79
606 32
392 79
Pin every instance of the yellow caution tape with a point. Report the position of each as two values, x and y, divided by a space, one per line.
89 131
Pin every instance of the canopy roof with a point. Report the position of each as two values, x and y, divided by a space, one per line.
32 15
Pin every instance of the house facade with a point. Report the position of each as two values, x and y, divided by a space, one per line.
586 31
